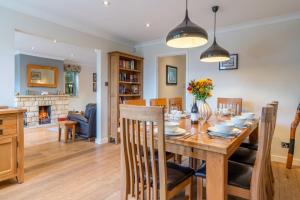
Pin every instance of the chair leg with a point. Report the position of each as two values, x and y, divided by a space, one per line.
188 190
178 159
199 188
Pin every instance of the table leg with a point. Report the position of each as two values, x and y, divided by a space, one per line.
59 133
73 133
253 137
66 134
216 176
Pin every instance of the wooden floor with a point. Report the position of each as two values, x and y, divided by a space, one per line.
85 171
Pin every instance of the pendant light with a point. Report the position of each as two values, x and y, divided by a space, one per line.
187 34
215 53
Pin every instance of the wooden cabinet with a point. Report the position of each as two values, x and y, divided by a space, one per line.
11 144
125 82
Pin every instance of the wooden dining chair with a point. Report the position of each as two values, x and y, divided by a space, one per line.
176 103
233 103
293 129
159 102
136 102
144 177
245 181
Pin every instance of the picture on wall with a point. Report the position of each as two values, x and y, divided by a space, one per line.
36 75
94 82
171 75
230 64
94 77
94 87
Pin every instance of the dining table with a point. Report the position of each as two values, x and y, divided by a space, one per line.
198 144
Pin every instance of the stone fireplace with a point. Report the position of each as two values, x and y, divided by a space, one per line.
43 109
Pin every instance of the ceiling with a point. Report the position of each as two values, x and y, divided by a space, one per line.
43 47
125 20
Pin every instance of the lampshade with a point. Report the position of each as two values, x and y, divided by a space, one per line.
187 34
215 53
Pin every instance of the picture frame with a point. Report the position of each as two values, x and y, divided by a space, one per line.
94 87
171 75
231 64
94 77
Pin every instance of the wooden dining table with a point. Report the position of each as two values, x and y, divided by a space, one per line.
215 151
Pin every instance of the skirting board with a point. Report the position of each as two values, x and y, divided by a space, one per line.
101 140
282 159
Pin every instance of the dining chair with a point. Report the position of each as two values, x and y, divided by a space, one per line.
136 102
176 103
294 126
245 181
233 103
144 177
159 102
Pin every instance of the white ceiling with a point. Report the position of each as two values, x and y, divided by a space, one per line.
125 20
43 47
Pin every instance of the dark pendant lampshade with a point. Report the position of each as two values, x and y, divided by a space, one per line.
187 34
215 53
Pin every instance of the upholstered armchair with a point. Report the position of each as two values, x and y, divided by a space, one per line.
86 122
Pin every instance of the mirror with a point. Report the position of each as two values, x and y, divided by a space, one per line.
42 76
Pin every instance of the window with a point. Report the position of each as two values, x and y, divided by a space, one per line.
71 83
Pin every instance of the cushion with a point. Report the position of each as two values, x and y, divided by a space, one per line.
239 174
176 174
250 145
244 155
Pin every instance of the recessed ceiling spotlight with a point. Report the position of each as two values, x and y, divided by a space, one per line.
54 41
72 55
32 48
148 25
106 3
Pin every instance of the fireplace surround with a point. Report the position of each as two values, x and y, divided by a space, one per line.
56 106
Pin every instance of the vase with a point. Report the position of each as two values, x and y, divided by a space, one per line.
204 110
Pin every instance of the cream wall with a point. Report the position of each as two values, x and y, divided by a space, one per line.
11 20
168 91
269 69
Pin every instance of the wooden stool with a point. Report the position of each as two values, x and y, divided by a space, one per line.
67 125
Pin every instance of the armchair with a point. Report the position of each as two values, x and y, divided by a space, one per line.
86 123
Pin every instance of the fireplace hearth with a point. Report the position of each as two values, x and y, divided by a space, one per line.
44 115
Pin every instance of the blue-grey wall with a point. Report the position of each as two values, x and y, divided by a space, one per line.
22 60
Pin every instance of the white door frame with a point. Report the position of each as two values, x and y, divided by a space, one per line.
177 53
99 131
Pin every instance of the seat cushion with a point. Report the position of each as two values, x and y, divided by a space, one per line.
250 145
244 155
239 174
176 174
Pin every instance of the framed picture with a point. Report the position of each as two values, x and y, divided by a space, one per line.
171 75
230 64
94 87
94 77
36 76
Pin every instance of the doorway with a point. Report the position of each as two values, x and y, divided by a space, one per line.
171 77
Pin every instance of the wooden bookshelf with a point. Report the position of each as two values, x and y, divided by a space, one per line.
125 82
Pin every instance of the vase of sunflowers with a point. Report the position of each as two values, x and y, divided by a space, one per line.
201 90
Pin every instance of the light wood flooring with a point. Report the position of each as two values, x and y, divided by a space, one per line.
86 171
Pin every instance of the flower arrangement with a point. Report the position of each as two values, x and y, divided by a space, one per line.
201 89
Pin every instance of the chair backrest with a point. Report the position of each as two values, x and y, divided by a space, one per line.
175 102
138 151
159 102
266 129
136 102
233 103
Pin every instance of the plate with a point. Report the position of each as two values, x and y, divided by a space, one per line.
233 132
178 131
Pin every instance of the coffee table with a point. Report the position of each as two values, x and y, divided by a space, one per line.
67 125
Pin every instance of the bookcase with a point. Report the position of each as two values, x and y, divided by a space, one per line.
125 82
